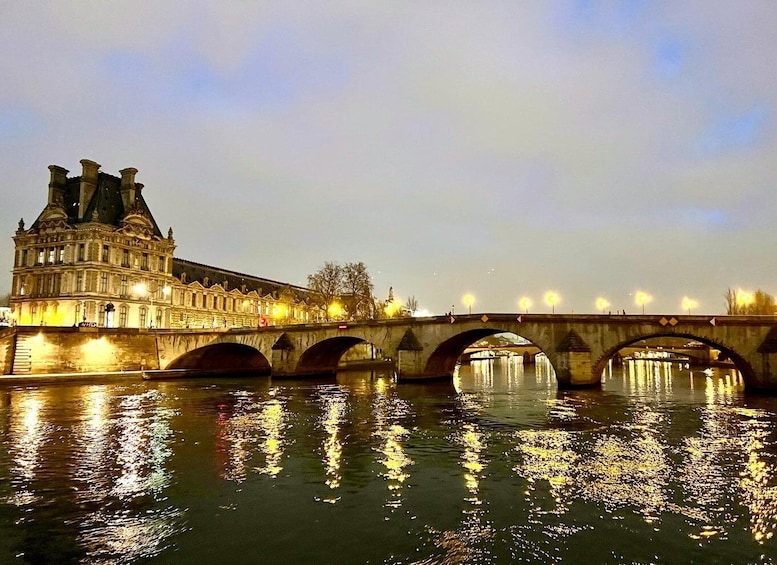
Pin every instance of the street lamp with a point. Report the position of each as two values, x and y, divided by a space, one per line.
468 300
334 311
551 297
525 303
602 304
642 298
143 290
744 299
689 303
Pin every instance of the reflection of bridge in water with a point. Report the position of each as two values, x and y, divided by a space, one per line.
577 346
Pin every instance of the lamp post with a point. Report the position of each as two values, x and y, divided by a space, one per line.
551 297
744 299
525 303
642 298
143 290
602 304
689 303
468 300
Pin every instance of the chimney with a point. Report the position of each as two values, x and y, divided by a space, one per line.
88 185
128 186
57 182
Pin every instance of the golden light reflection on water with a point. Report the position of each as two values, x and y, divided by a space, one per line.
757 480
467 543
27 433
548 456
236 434
139 457
526 466
647 377
632 470
703 475
272 423
144 435
389 413
249 426
123 537
106 456
334 404
93 436
471 459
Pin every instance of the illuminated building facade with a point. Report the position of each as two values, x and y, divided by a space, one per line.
96 256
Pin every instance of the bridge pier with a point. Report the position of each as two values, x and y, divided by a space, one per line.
411 367
575 369
573 362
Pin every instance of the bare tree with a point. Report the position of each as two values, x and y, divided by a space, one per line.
758 303
327 285
731 301
357 290
763 303
411 305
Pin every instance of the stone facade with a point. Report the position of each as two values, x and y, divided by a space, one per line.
95 256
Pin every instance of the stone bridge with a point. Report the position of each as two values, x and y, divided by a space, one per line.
577 346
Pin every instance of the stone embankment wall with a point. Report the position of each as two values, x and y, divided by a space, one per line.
34 351
7 340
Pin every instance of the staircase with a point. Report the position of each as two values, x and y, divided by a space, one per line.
22 361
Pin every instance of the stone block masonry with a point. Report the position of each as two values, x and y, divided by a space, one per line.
35 351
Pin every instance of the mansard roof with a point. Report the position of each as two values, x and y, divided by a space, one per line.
105 206
216 276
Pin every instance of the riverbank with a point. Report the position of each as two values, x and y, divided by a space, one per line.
48 378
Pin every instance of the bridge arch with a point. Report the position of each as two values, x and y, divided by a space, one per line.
443 360
223 356
324 356
741 364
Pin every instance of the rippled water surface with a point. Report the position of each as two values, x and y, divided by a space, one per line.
660 465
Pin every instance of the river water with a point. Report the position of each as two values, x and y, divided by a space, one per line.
661 465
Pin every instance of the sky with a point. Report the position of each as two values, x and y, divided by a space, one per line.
499 149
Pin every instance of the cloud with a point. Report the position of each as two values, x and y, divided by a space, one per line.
555 142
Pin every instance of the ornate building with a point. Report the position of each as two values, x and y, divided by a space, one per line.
95 255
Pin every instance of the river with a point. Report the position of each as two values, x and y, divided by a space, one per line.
661 465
